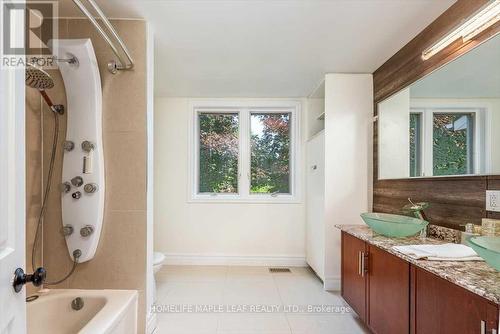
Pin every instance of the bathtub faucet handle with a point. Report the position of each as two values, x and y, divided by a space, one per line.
20 278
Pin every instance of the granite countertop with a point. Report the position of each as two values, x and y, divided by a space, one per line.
475 276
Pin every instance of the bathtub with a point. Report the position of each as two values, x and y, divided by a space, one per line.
103 312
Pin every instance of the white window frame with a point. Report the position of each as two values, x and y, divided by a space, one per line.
244 110
482 131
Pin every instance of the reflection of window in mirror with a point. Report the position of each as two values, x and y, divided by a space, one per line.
446 141
415 144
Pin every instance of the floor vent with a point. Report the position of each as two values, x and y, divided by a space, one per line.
279 270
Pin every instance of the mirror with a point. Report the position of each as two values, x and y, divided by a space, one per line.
447 123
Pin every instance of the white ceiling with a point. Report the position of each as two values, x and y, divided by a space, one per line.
269 48
474 75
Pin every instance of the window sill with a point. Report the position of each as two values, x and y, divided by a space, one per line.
245 200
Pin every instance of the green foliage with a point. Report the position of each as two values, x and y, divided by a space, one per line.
450 153
270 157
218 153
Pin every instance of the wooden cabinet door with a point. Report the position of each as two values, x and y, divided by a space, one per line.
441 307
388 293
353 280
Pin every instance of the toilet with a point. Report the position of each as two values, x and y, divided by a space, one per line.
158 259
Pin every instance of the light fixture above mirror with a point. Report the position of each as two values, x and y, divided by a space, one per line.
484 18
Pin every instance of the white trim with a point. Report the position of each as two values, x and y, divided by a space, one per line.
332 283
234 260
245 109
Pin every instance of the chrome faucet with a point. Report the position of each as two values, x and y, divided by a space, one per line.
417 209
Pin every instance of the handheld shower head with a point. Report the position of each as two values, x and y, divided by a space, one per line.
41 80
38 78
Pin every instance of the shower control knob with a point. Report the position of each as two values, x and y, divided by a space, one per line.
87 146
67 230
90 188
77 253
77 181
65 187
76 195
68 145
86 231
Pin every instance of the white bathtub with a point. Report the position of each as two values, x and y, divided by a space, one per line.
103 312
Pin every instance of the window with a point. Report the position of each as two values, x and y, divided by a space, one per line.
218 167
446 141
270 153
244 152
415 144
453 144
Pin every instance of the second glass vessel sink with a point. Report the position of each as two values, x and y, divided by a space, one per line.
488 248
394 225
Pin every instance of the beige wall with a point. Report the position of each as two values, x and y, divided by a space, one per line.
120 260
235 233
33 173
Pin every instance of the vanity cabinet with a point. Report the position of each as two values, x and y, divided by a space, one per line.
388 290
376 285
353 282
445 308
392 296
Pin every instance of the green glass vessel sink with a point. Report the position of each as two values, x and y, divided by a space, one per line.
395 226
488 248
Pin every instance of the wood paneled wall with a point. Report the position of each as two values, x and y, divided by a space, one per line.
454 201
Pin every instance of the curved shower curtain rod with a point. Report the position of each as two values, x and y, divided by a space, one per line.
113 66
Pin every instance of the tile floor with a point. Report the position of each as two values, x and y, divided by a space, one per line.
238 292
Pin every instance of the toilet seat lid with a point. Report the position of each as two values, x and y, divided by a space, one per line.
158 258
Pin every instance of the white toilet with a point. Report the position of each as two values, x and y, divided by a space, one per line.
158 259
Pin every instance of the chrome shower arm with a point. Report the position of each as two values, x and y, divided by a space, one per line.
112 65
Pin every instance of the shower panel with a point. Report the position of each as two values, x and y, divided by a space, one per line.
83 183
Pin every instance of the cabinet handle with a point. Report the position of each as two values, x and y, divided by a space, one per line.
360 257
363 264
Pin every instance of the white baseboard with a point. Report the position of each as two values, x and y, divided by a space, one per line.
151 324
234 260
332 283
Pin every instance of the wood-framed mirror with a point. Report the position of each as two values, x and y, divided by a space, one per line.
456 194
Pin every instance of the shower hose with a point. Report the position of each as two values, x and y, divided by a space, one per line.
43 209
